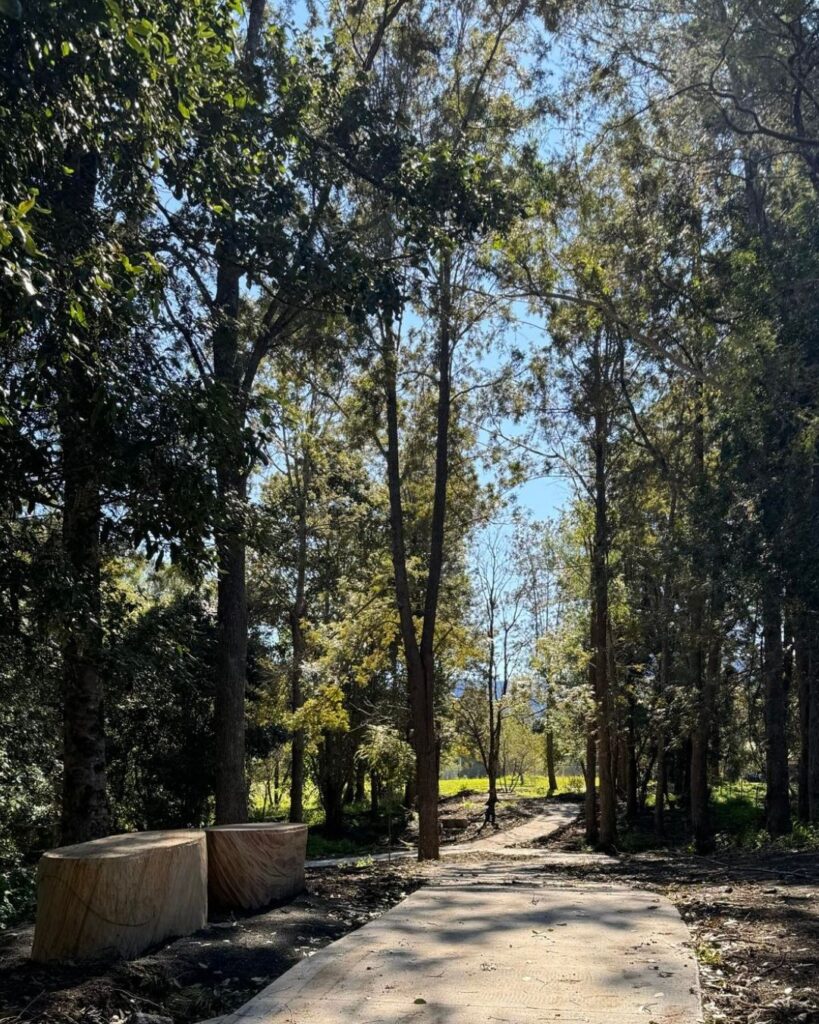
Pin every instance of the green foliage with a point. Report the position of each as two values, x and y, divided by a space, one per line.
160 705
17 887
383 751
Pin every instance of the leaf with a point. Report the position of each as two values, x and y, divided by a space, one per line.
77 313
183 110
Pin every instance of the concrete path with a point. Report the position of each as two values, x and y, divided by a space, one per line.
474 953
495 941
496 842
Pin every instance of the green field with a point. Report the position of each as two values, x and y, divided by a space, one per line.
533 785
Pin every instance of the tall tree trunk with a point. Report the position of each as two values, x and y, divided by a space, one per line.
700 745
231 474
631 767
231 667
660 788
493 754
813 721
296 700
375 793
777 799
297 614
600 617
426 738
550 761
420 655
85 812
699 794
590 800
664 677
231 602
813 750
422 712
802 666
360 779
332 779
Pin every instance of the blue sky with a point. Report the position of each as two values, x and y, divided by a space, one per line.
545 497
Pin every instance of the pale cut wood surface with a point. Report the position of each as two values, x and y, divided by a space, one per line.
251 866
119 895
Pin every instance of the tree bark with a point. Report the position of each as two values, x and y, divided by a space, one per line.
332 780
700 743
631 768
699 795
297 613
600 616
420 655
777 799
360 779
660 788
85 812
231 602
802 669
813 742
590 800
550 761
231 474
375 793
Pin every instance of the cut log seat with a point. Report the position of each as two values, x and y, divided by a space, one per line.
251 866
119 895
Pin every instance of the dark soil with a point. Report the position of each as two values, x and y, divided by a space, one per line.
219 968
203 975
754 919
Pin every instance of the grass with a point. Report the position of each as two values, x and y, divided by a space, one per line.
739 816
319 846
533 785
364 836
738 821
738 810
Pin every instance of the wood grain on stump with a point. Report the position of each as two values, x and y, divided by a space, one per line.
250 866
120 895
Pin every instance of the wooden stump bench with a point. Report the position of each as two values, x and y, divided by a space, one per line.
120 895
251 866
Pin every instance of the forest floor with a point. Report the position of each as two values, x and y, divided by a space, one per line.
754 919
461 815
753 916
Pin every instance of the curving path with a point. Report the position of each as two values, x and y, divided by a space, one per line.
498 942
501 842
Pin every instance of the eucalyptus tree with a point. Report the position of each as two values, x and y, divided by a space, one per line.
260 254
89 96
321 513
447 84
729 90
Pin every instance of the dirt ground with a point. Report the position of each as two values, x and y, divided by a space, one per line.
205 974
219 968
754 919
463 816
